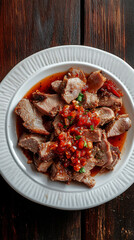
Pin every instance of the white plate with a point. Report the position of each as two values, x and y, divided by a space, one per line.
36 186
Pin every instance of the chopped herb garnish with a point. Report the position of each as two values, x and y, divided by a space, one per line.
80 97
71 121
65 126
82 170
85 144
78 137
92 127
87 110
69 117
79 104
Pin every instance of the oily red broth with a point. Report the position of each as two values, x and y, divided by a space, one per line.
45 86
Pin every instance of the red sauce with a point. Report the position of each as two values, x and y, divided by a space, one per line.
45 86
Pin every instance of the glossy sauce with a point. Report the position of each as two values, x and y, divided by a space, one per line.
45 86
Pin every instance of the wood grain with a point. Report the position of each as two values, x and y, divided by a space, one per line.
108 26
30 26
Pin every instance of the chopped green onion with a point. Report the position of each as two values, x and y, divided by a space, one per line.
69 117
78 137
82 170
65 126
92 128
71 121
80 97
85 144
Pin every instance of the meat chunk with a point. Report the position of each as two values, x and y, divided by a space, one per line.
90 100
93 136
46 151
59 173
108 99
118 126
58 124
39 96
41 165
95 81
85 177
105 114
76 73
31 116
103 153
31 141
56 85
115 155
50 106
70 88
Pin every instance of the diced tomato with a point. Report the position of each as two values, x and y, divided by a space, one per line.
81 144
111 87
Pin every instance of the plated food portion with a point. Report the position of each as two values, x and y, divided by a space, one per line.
68 128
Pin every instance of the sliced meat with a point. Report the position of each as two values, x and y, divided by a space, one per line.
108 99
50 106
46 151
85 177
95 81
90 100
39 96
56 85
115 155
118 126
59 173
31 141
103 153
105 114
58 124
93 136
70 88
31 116
76 73
40 165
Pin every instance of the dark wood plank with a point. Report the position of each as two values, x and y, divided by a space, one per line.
27 27
30 26
109 25
22 219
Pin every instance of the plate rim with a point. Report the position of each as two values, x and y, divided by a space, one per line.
32 59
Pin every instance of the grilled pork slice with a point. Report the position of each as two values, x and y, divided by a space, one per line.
56 85
70 88
105 114
115 155
31 141
95 81
59 173
58 124
76 73
50 105
31 116
46 151
118 126
39 96
85 177
41 165
90 100
93 136
108 99
102 152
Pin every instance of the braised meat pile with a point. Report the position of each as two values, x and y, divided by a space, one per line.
67 130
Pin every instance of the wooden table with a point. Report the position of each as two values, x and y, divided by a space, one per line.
28 26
